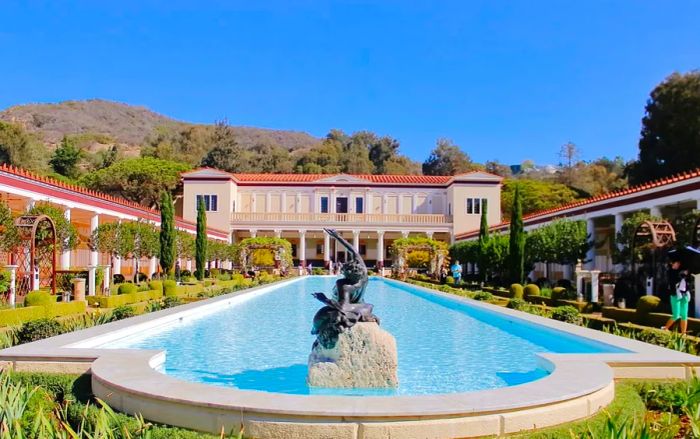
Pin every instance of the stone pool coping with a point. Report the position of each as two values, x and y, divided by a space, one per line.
577 387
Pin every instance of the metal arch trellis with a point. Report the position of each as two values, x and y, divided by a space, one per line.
35 257
436 258
278 251
658 235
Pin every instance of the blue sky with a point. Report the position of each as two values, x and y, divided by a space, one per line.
506 80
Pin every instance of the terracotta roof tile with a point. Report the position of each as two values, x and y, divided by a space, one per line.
308 178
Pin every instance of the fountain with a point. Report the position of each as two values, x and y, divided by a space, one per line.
351 350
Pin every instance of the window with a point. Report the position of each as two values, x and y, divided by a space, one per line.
359 205
363 250
324 204
474 205
211 202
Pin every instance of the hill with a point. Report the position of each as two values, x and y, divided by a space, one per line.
127 125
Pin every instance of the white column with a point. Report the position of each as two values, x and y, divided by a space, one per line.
326 248
655 211
283 207
253 233
594 285
331 201
452 237
301 248
297 204
697 207
65 256
399 204
278 233
188 265
253 202
404 233
384 203
414 203
380 249
94 223
268 202
619 219
117 262
152 266
368 201
13 284
30 204
107 279
356 240
590 255
429 234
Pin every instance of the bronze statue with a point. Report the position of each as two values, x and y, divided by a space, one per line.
346 307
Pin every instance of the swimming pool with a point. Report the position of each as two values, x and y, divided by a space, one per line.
444 345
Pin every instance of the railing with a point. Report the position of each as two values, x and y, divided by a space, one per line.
376 218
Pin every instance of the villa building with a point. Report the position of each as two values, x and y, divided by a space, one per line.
369 210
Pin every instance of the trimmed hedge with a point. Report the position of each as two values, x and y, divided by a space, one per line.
647 304
531 290
169 288
39 298
17 316
66 309
127 289
156 285
540 300
580 306
123 299
516 291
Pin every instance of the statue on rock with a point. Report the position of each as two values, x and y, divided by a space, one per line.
347 306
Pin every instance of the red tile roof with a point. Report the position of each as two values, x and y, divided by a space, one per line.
147 212
304 178
602 197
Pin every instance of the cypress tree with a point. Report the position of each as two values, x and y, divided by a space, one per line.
167 233
200 257
516 254
483 237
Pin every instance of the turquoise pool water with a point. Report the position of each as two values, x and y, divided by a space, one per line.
444 345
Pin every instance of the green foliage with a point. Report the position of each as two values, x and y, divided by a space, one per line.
567 314
536 195
65 158
483 296
155 285
184 244
201 241
4 281
127 288
670 138
39 298
39 329
19 148
17 316
9 235
169 288
531 290
447 159
561 293
317 271
561 241
171 301
483 237
265 248
517 291
517 304
167 234
62 309
684 227
516 248
418 259
66 232
123 312
141 180
450 280
225 153
647 304
622 250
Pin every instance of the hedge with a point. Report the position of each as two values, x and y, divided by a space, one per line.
17 316
66 309
123 299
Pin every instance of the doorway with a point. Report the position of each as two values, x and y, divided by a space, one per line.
341 205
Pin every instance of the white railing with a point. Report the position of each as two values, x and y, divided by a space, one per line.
376 218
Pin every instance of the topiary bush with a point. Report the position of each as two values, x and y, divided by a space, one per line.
127 288
647 304
171 301
483 296
39 330
169 288
39 298
155 285
531 290
567 314
449 280
123 312
559 293
518 304
516 291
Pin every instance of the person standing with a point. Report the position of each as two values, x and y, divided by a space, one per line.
456 272
679 290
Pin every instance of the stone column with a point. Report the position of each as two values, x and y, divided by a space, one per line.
94 223
65 256
429 234
590 255
152 266
253 233
31 202
108 277
619 219
297 204
12 292
384 203
356 240
331 201
404 233
368 201
117 261
655 211
278 233
283 207
188 265
594 285
414 203
326 249
268 202
399 204
301 249
380 249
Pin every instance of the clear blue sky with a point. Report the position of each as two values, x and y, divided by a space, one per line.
507 80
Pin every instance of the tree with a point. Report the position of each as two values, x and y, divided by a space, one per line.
355 159
9 235
184 244
561 242
670 136
141 180
66 232
200 258
225 152
65 158
498 168
622 248
483 237
323 158
536 195
19 148
382 151
516 248
568 155
167 234
402 165
270 159
447 159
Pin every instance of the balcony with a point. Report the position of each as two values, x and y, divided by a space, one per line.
335 219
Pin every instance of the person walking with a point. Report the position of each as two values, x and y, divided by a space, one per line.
679 290
456 272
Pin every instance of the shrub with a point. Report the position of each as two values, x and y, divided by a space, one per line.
64 281
141 277
143 286
647 304
38 330
560 293
531 290
516 291
66 309
214 272
39 298
567 314
17 316
123 312
118 279
238 278
171 301
449 280
518 304
169 288
223 277
127 288
546 292
318 271
483 296
185 273
156 285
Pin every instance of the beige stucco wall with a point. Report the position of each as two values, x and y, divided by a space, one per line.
457 195
226 192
